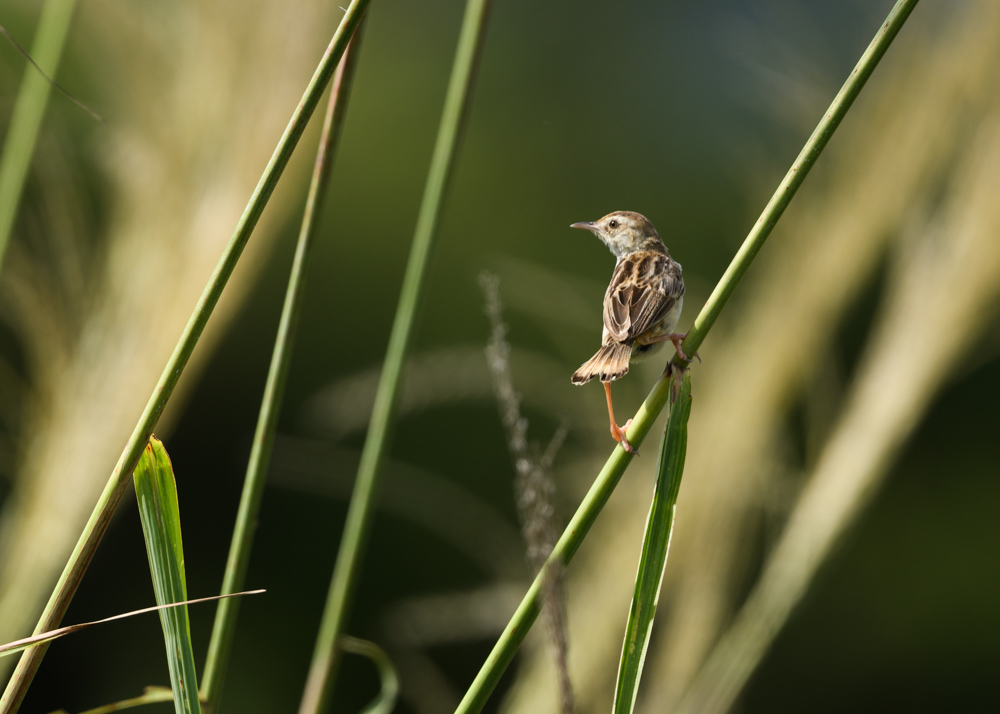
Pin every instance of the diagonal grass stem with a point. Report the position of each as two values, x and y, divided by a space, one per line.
607 479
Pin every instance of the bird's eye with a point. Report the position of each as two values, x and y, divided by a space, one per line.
612 223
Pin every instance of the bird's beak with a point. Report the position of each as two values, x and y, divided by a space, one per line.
585 225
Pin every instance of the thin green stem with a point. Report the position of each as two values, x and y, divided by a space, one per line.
609 476
29 109
92 533
357 527
260 454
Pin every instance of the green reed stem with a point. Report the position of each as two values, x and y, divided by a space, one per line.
357 527
609 476
29 109
260 454
92 533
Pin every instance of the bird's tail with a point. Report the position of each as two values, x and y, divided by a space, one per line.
610 363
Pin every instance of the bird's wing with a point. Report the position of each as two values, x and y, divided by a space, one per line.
643 289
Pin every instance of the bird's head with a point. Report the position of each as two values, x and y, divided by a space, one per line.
625 232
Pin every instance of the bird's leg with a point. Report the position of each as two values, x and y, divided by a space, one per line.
675 339
618 433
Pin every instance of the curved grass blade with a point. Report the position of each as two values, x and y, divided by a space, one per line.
90 538
224 627
29 109
522 619
23 644
156 491
655 546
389 694
322 671
151 695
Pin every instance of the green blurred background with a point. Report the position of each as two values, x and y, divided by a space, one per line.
687 112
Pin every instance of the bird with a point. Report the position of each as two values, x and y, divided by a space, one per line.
641 306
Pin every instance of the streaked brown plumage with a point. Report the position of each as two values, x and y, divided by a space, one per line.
641 306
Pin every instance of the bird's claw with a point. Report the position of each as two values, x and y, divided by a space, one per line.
689 359
619 435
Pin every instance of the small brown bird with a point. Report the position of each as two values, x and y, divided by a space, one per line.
641 307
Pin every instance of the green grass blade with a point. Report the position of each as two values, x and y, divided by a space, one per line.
359 515
607 479
655 545
156 491
267 421
389 693
92 533
29 109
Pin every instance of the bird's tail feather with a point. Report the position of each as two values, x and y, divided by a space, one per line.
610 363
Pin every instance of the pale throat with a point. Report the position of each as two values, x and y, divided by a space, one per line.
621 250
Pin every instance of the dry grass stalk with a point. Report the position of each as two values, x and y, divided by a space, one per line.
533 486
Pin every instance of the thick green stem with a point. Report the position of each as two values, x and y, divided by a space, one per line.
29 109
609 476
267 421
359 515
86 546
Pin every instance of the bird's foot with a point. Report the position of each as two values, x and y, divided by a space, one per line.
676 338
618 434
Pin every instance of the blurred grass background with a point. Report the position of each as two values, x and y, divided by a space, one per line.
687 113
